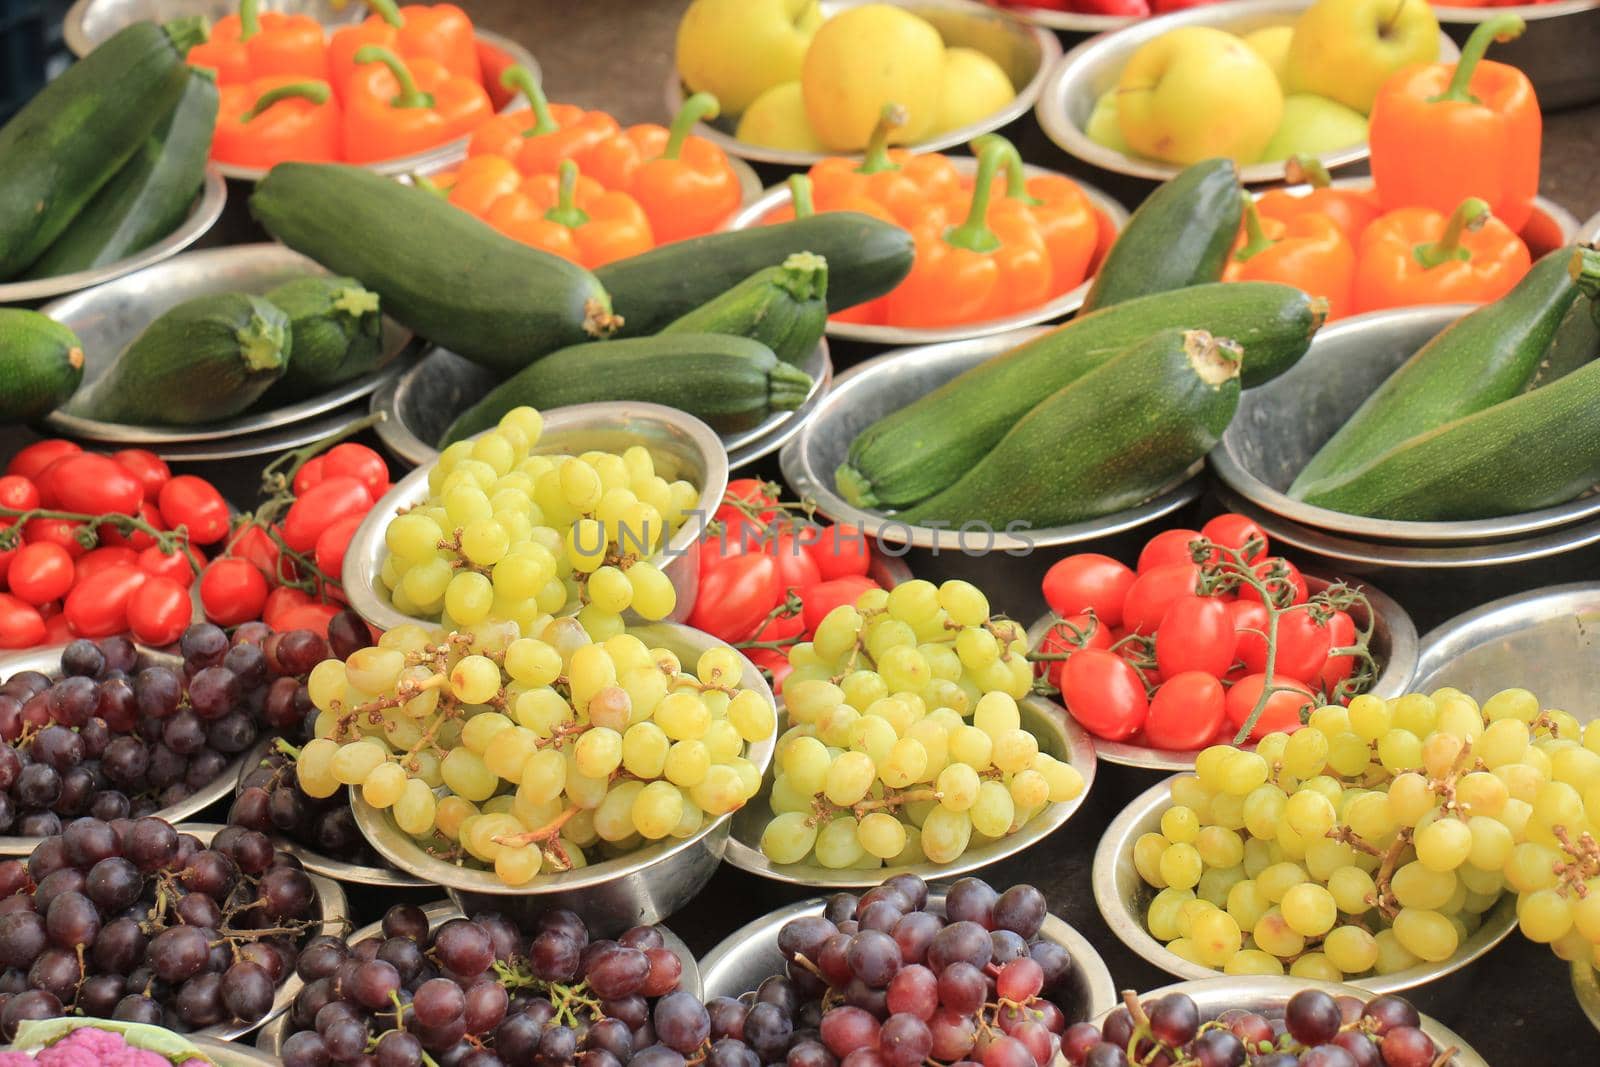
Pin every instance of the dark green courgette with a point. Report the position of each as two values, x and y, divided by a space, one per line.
446 275
1110 440
80 129
149 197
42 364
338 334
783 307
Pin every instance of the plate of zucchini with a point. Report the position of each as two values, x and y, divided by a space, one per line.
221 343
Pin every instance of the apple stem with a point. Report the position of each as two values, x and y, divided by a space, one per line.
800 196
567 212
974 234
1256 239
517 78
1307 170
1016 177
877 158
1500 28
1471 215
697 107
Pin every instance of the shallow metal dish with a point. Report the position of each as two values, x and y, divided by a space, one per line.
109 317
1281 425
1586 987
223 1053
90 22
272 1036
1269 994
681 445
420 404
47 660
1394 645
1123 898
1076 24
1023 51
1550 51
745 958
1092 68
644 886
1111 211
1058 735
203 214
266 443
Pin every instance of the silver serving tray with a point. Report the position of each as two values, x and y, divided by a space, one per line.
90 22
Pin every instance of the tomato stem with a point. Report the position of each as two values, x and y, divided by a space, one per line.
169 541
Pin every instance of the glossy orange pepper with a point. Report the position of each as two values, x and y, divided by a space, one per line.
395 110
1441 133
1064 218
898 183
991 265
253 44
1309 252
1420 256
538 137
480 181
1349 209
573 216
441 32
684 183
276 119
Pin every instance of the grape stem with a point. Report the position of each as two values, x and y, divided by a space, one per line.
544 834
282 745
1385 900
169 541
1585 853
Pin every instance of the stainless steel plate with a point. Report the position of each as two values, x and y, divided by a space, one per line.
266 443
89 22
1072 22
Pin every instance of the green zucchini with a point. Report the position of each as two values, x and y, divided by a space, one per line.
337 329
866 258
1179 236
451 278
783 307
206 359
72 137
1532 451
926 445
1480 359
149 197
730 382
1576 342
43 364
1110 440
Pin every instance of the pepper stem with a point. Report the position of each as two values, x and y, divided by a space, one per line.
409 95
567 212
249 19
974 234
697 107
1585 270
388 11
800 195
877 158
1016 176
428 185
1471 215
1307 170
518 78
1500 28
1256 239
315 91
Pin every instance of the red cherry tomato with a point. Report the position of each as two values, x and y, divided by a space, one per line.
796 569
773 662
320 507
1153 592
350 460
1072 634
254 544
1085 582
232 591
1283 710
135 539
752 491
333 542
195 504
18 492
1250 627
98 605
174 565
1104 694
39 455
159 611
1166 548
311 473
99 559
56 531
1341 634
1186 712
280 602
311 616
1196 634
58 629
1303 645
735 597
21 626
1235 531
150 469
825 596
1277 573
40 572
93 484
840 551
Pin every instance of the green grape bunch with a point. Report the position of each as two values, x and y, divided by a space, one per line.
904 742
530 754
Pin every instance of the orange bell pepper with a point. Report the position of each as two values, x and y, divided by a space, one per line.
253 44
395 110
1309 252
441 32
574 217
538 137
1063 216
480 181
892 184
991 265
683 182
276 119
1440 134
1349 209
801 206
1419 256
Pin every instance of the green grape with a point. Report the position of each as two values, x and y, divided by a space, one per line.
1215 883
752 716
466 776
1165 911
1443 845
653 594
414 809
509 751
314 768
1518 704
723 790
613 817
1243 772
1181 866
597 752
913 600
374 670
1218 847
958 786
683 716
1309 909
353 762
838 844
544 711
383 785
1014 750
945 834
1351 949
881 834
1252 961
996 713
609 590
788 838
993 810
905 763
657 810
1425 934
1180 824
872 736
1305 753
1246 904
1278 879
1272 933
1347 753
964 602
1147 852
687 764
1369 717
481 730
484 542
1029 790
1215 936
848 778
1309 814
1353 890
543 776
1065 780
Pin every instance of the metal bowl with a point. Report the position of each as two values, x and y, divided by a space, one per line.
265 443
1074 24
1550 51
222 1053
1024 52
47 661
1268 995
1058 735
1111 211
1123 898
681 444
644 886
203 214
109 317
1589 230
1586 987
1092 68
745 958
90 22
1393 645
272 1036
420 404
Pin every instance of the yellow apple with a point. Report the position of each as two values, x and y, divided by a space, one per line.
974 88
1312 125
777 119
1197 93
1272 45
866 57
1103 128
1345 49
738 49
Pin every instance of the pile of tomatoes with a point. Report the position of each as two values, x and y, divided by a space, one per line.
1173 653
